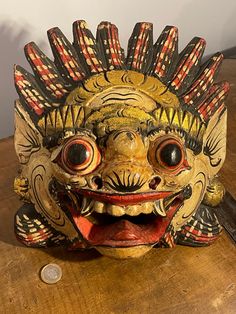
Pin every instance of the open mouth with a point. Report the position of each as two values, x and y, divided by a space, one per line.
122 220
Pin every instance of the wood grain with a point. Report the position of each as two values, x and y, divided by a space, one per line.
179 280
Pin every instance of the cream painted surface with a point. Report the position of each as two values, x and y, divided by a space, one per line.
25 21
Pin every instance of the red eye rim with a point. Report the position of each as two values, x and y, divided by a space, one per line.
156 160
92 161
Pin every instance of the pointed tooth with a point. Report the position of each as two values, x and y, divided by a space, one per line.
159 208
91 205
83 205
87 206
115 210
99 207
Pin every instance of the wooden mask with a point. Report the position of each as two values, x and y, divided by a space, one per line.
119 153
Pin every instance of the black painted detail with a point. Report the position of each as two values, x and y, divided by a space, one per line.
33 230
77 154
98 182
119 185
211 149
187 192
202 229
171 154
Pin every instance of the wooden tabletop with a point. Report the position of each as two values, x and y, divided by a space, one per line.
179 280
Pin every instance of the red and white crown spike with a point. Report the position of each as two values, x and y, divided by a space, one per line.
182 74
213 101
140 48
204 80
65 56
108 40
87 49
46 72
30 94
165 53
188 65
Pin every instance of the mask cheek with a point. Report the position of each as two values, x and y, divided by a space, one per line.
198 182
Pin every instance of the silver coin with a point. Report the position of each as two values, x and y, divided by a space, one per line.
51 273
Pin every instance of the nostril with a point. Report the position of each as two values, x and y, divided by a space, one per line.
154 183
98 182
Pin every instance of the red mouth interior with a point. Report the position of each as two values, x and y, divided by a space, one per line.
126 232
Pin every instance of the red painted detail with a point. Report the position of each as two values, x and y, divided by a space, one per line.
166 50
87 44
188 61
45 70
213 101
204 81
124 199
64 53
28 92
199 238
138 48
124 233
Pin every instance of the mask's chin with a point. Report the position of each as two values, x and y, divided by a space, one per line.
116 226
121 253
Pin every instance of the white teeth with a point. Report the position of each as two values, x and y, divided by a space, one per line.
89 205
115 210
98 207
147 208
159 208
133 210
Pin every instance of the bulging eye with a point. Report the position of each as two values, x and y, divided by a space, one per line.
80 155
170 154
167 154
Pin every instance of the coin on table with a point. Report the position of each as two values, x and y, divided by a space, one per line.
51 273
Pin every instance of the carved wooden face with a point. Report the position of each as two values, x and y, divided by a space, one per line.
123 163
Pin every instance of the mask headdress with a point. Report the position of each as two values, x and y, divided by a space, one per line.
184 90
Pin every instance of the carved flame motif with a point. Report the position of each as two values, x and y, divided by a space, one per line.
117 152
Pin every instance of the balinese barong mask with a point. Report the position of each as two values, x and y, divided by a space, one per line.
119 153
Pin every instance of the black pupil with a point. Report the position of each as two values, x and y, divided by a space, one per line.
77 154
171 154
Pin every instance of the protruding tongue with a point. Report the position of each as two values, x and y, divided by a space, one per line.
121 231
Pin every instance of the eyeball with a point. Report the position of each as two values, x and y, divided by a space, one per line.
80 155
170 154
167 154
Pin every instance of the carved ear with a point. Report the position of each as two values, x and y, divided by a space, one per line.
27 138
214 142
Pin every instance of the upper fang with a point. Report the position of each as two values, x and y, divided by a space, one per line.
159 208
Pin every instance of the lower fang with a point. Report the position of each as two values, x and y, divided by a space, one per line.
159 208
